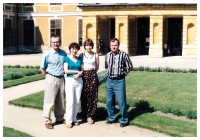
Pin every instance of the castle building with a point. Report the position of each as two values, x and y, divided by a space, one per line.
142 28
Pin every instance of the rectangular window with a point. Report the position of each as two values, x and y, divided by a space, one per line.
55 3
55 27
28 32
28 4
8 32
80 40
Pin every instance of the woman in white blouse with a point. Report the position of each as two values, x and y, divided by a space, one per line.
89 96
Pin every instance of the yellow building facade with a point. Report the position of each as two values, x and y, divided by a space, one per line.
141 28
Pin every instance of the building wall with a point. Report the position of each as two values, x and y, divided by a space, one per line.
95 24
123 16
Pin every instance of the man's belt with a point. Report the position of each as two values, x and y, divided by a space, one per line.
117 78
55 75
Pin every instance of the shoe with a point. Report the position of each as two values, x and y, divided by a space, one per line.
110 122
61 122
84 120
48 126
76 123
90 120
123 124
69 125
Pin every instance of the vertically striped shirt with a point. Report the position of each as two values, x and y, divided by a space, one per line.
116 64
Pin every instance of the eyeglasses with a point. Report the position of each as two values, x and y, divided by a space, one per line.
55 42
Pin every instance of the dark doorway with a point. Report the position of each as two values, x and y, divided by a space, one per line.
112 30
174 37
143 36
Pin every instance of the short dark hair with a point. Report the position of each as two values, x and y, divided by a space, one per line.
115 39
55 36
89 42
74 45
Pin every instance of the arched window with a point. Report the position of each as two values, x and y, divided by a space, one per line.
155 33
190 33
89 31
121 32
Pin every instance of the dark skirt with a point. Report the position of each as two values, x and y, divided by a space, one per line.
89 96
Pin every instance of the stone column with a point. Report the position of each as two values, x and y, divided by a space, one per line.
121 32
156 36
189 47
90 30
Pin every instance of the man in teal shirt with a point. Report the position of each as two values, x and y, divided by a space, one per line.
54 93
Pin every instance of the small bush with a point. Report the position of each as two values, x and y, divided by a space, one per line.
134 69
13 75
12 66
32 67
30 73
166 109
9 66
177 70
192 70
192 114
177 112
17 66
37 67
184 71
27 66
142 105
147 68
141 68
102 77
22 67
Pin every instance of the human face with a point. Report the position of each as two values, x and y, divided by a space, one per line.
114 46
55 43
73 51
88 48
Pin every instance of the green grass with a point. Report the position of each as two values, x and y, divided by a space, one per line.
27 79
10 132
175 90
177 128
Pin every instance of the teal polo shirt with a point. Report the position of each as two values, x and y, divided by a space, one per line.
53 62
73 65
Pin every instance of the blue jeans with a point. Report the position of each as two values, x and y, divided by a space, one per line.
116 88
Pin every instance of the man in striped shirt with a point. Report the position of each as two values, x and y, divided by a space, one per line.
118 65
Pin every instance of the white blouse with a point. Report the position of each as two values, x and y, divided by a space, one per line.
89 62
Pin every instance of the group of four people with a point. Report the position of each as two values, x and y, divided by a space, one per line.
81 82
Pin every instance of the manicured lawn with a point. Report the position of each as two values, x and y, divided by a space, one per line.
10 132
164 91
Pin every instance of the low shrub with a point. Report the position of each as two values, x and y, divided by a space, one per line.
192 70
166 109
37 67
141 68
9 66
17 66
142 105
192 114
177 112
32 67
12 75
27 66
102 77
146 68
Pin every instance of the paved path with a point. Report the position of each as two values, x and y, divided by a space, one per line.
31 121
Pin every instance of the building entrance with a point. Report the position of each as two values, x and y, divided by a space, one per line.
174 35
143 36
